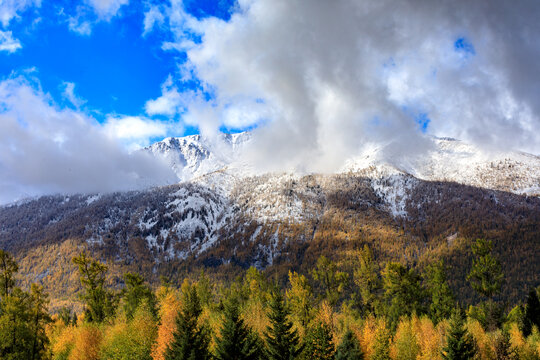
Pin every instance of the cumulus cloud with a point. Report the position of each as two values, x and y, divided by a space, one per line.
46 149
8 43
134 131
324 79
106 9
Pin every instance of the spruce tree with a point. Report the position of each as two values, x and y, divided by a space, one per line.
460 344
486 276
318 344
135 293
282 342
442 299
237 341
190 341
532 313
349 348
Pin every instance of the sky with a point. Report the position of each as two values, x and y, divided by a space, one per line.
84 84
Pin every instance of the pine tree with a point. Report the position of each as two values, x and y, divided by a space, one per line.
532 313
237 341
442 299
404 293
282 342
332 281
39 317
318 344
460 344
367 279
189 340
135 293
8 267
486 275
98 300
349 348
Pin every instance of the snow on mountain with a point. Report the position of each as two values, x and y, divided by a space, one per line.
272 197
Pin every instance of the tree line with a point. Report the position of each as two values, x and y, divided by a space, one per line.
393 312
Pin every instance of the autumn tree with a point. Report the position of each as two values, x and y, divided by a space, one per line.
318 343
282 341
299 297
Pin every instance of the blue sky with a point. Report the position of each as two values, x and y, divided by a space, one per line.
115 68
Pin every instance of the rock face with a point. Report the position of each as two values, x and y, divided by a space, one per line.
223 213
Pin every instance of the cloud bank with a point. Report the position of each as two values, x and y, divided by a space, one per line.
45 149
322 80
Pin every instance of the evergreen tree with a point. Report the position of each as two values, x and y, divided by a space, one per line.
331 280
8 267
442 299
349 348
98 300
367 279
135 293
237 341
190 341
486 275
299 298
532 313
318 343
39 317
282 342
459 343
404 293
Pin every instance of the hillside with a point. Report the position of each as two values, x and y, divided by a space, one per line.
225 219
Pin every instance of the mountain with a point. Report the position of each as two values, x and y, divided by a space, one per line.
225 216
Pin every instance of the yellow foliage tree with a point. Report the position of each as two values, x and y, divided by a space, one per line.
169 306
87 343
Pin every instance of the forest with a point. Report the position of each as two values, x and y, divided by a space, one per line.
389 311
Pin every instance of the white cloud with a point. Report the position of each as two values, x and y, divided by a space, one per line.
135 131
106 9
9 9
169 103
69 94
8 43
152 17
336 76
46 149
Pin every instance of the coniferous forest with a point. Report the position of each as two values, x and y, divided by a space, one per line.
376 312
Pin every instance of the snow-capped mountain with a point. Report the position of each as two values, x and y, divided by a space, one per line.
224 213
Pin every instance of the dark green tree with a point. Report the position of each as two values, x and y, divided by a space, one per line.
459 343
331 280
532 313
190 341
135 292
39 318
236 341
318 344
8 267
282 341
99 302
349 348
486 275
367 279
442 299
16 335
404 293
